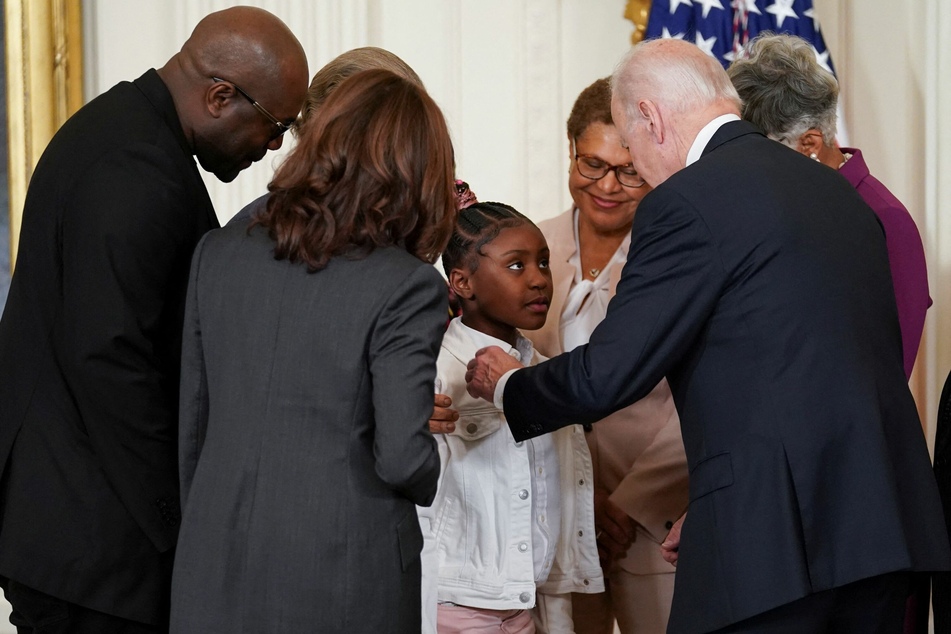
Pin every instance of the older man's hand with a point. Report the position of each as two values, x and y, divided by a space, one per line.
485 370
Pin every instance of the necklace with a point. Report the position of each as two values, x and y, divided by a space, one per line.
594 273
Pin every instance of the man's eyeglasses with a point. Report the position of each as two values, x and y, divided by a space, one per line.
593 168
281 126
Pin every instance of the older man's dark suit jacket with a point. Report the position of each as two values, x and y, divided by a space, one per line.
89 356
758 283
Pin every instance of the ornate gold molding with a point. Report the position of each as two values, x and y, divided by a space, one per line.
44 86
637 11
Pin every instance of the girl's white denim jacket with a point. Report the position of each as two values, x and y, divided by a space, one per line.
481 566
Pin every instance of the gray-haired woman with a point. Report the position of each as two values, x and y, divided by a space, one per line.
793 99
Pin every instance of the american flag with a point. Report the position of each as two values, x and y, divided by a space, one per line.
722 28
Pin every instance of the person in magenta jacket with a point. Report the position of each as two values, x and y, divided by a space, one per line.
793 100
906 255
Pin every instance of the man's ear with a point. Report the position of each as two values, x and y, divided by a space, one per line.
654 121
810 143
460 283
217 97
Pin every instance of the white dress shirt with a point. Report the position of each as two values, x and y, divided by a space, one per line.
587 301
706 133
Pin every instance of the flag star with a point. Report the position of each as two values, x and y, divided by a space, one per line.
822 59
811 13
676 3
782 9
709 4
706 44
747 5
667 36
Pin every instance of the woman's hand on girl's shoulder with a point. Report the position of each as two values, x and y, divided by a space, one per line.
443 420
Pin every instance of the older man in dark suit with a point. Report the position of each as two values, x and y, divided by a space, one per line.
758 283
91 334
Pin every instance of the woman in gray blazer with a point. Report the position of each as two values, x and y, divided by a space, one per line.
307 379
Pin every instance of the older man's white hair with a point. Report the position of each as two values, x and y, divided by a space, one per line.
673 75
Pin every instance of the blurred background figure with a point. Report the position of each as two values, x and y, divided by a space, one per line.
640 470
304 443
793 100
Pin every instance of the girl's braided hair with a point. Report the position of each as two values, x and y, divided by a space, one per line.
476 226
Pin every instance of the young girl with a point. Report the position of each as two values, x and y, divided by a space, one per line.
511 532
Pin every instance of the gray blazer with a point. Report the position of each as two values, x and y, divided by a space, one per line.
304 441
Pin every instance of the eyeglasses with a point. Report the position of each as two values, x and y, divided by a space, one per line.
281 126
593 168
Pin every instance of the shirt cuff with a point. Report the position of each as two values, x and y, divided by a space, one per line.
500 389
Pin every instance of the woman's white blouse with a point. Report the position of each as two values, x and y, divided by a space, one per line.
587 301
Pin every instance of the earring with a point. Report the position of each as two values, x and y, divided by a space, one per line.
814 156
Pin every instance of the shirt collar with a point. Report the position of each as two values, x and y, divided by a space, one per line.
706 133
523 350
855 170
157 93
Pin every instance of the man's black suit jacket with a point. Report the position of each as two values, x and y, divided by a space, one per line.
757 282
90 346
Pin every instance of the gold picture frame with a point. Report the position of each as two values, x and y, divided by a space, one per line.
638 11
44 65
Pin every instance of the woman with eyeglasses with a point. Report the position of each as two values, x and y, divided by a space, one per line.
637 453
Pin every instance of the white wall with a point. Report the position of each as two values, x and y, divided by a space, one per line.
505 73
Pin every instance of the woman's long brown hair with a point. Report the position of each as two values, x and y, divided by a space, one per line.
374 168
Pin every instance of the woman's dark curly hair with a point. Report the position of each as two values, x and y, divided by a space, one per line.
373 168
593 105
